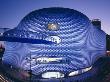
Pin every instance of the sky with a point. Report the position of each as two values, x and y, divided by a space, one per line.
13 11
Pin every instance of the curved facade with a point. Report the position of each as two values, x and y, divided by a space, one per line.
77 43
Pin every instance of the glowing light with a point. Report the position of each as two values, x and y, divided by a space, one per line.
52 75
52 26
55 39
47 60
80 71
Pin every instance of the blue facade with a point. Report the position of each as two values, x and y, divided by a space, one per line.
75 40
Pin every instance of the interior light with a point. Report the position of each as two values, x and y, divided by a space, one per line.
52 75
80 71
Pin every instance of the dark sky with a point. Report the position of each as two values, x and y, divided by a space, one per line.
12 11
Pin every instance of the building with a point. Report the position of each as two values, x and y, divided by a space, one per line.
97 23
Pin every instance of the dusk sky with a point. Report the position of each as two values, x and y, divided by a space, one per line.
12 11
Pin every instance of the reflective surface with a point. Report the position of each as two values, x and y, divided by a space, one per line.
78 41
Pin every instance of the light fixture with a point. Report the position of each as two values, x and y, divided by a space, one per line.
52 26
52 75
80 71
55 39
47 60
